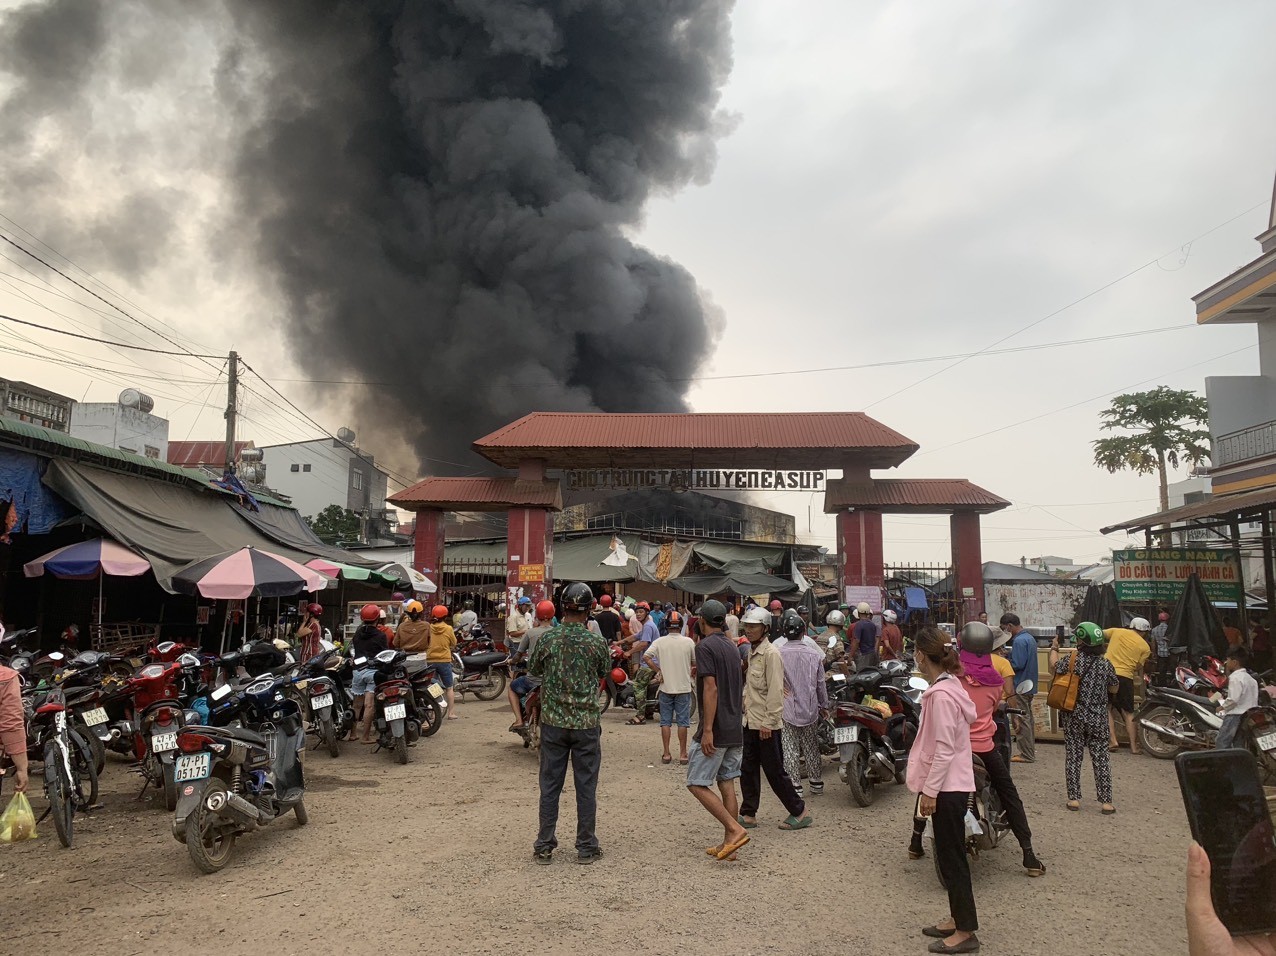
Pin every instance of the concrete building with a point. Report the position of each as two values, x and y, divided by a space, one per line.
1243 407
332 471
38 406
127 424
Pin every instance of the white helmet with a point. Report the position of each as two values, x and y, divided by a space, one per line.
1140 624
835 618
862 609
888 617
756 615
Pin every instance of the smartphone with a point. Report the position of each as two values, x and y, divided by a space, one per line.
1227 811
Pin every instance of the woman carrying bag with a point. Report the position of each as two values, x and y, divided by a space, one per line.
941 773
1083 711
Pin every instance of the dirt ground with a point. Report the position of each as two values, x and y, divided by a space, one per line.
437 855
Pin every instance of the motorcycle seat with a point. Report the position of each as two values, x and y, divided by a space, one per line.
1195 699
242 734
483 660
415 664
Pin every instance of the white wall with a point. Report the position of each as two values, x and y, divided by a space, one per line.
322 477
116 426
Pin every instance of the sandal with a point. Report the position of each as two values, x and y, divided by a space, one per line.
635 720
728 849
1108 809
1074 804
713 851
970 945
748 825
793 823
665 758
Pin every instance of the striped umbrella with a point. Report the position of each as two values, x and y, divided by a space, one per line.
349 572
85 560
248 571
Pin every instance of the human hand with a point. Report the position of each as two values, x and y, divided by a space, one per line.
1206 934
927 806
706 743
764 734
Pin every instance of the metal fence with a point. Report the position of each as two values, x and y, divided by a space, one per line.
482 582
933 604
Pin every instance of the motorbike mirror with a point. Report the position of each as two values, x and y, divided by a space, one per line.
1023 687
917 683
55 656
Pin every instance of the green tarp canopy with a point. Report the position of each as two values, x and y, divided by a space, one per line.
735 583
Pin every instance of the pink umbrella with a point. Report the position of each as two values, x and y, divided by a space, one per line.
85 560
245 572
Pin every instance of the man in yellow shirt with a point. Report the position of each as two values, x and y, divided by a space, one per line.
1127 649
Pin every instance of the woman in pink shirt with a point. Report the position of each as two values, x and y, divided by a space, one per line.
13 726
941 773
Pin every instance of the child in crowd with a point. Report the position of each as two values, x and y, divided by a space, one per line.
1242 694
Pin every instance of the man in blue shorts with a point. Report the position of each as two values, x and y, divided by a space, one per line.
718 745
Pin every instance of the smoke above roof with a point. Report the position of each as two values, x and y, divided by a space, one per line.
440 193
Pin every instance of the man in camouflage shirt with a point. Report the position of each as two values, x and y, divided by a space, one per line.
570 661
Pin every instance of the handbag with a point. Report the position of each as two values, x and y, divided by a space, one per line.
1065 687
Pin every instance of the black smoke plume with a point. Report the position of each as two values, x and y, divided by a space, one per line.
440 191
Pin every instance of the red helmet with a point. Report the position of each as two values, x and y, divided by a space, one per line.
438 612
618 676
315 609
1162 617
605 600
642 606
775 605
546 610
369 613
674 619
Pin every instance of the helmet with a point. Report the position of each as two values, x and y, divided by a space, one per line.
577 597
414 607
835 618
793 626
803 610
438 612
315 609
674 618
524 600
642 606
381 614
369 613
755 615
1140 624
398 596
468 605
888 617
775 605
546 610
618 676
1162 617
605 600
862 609
976 638
1090 633
714 613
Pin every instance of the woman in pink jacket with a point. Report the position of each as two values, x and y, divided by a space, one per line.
941 773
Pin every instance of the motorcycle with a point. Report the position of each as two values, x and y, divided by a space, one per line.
479 668
397 721
1171 721
70 777
238 779
427 693
531 729
325 698
872 746
984 806
157 718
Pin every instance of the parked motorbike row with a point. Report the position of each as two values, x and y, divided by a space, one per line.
221 737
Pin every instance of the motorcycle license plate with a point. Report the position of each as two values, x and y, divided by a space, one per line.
436 691
192 767
846 735
94 717
1267 741
162 743
323 700
396 712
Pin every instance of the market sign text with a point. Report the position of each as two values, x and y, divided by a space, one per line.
1157 575
695 479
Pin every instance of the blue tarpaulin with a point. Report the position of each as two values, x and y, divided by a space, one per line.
37 508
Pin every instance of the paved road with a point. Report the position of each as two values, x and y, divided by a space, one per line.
436 856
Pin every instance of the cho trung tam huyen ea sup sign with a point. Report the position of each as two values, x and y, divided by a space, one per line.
1157 575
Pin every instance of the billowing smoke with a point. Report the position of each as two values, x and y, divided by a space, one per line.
440 191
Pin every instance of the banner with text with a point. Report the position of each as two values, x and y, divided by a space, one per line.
694 479
1157 575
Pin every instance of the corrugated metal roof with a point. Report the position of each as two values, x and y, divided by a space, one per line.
911 495
1247 503
479 494
194 453
27 435
808 440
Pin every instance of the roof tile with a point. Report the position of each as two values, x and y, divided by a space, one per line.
479 494
911 494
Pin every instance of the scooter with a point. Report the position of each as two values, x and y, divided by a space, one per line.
1173 720
872 746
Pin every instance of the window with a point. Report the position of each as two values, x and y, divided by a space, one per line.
305 467
356 480
152 452
294 467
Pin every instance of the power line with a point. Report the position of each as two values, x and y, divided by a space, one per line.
1088 295
92 338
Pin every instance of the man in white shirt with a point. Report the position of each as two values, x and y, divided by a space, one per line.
466 619
733 625
519 622
670 657
1242 696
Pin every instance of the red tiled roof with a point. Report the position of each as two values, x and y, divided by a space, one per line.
479 494
191 454
807 440
903 495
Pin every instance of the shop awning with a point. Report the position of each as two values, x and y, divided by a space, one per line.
169 524
736 583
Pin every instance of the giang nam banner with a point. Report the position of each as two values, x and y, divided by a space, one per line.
1157 575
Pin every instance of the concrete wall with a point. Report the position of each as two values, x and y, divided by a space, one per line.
1239 401
128 429
1038 605
321 478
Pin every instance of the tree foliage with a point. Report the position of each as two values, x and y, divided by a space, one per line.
1166 427
334 524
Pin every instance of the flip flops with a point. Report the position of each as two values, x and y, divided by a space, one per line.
714 850
728 849
665 758
793 823
745 823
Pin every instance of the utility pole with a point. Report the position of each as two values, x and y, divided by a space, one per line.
232 390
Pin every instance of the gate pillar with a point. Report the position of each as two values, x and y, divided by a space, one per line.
529 553
859 545
427 552
968 567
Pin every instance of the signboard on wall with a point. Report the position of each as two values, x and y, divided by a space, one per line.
1157 575
531 574
694 479
857 592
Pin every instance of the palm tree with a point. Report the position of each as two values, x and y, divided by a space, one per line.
1166 425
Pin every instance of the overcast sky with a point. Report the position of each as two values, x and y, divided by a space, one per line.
901 181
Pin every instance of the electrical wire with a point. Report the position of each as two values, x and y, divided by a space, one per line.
91 338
